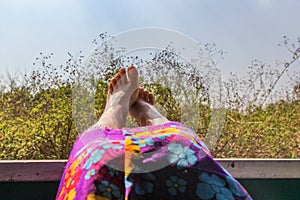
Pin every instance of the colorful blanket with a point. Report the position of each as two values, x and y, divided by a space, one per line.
167 161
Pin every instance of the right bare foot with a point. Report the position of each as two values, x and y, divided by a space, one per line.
122 93
143 110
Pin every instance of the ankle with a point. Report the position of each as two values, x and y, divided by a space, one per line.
114 117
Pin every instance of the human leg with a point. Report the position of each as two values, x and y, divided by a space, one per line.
89 172
186 170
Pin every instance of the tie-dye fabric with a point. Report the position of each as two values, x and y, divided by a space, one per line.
167 161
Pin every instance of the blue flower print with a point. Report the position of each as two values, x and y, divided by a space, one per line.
94 157
143 183
211 186
113 171
143 142
183 156
109 190
176 185
89 174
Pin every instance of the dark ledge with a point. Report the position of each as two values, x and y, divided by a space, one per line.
51 170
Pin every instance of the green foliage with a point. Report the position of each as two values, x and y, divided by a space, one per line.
272 132
41 117
36 126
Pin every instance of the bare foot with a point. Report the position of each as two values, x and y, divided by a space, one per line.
122 93
143 110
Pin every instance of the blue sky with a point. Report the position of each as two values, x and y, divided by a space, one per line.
245 29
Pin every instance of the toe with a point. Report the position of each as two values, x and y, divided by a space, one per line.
146 95
120 76
132 73
142 93
117 79
151 98
131 68
110 88
122 71
113 82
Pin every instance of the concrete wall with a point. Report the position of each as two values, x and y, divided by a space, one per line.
266 179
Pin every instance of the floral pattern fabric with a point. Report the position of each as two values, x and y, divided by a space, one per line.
167 161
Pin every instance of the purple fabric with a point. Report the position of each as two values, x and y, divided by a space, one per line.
167 161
